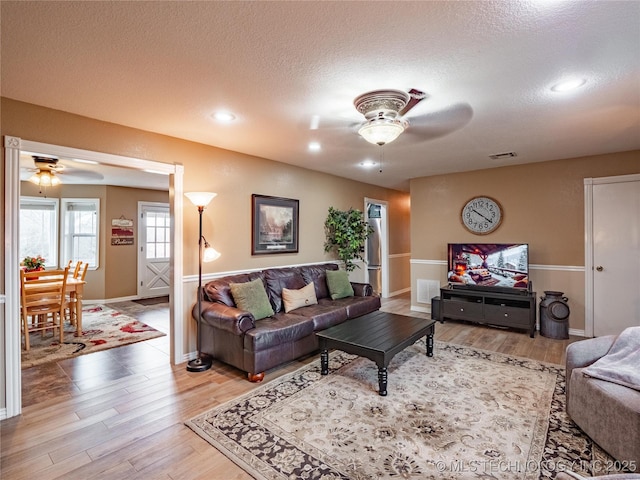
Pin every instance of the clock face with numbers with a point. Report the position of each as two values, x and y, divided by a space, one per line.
481 215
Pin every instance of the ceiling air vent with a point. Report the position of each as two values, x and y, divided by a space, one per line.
502 156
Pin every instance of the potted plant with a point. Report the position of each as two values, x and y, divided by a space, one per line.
346 232
33 264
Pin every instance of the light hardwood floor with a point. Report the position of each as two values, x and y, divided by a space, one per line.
118 414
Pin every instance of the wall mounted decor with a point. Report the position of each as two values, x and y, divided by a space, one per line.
481 215
122 231
274 227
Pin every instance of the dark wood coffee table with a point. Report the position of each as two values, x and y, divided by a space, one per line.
377 336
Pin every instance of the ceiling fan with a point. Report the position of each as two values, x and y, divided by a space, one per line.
384 111
47 169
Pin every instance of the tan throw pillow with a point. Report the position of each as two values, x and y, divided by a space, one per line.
252 297
293 299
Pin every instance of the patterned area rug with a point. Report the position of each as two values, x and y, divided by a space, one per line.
462 414
102 328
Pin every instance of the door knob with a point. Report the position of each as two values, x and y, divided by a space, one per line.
599 268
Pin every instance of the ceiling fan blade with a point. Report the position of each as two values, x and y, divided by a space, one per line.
440 123
79 174
415 97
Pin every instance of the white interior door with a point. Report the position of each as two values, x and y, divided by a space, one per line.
616 255
154 252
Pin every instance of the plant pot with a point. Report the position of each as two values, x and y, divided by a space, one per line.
38 269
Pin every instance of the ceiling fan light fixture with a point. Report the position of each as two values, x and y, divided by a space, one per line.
44 178
380 131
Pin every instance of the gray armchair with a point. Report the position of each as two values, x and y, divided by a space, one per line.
607 412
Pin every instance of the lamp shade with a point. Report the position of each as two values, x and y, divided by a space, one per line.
381 130
200 199
45 179
210 254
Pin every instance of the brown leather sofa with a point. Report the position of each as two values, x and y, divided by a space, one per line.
233 336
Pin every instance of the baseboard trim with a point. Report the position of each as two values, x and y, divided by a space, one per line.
577 333
416 308
399 292
3 413
106 301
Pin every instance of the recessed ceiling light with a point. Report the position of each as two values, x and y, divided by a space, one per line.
314 147
567 85
225 117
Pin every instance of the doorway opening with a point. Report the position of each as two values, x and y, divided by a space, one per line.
377 246
14 147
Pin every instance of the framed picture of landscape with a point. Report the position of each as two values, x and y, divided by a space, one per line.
274 227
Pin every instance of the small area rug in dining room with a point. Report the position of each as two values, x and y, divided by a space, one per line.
102 328
461 414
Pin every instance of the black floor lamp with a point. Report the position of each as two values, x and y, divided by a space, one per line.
206 253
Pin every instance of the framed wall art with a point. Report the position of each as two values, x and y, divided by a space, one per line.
274 227
122 231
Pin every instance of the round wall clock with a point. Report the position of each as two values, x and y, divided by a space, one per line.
481 215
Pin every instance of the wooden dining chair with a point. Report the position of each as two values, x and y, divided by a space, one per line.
82 273
42 301
75 270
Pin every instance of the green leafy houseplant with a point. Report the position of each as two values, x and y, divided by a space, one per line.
346 232
34 263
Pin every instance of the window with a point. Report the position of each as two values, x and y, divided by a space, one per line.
80 219
39 229
158 234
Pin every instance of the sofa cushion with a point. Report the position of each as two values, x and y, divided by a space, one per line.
218 290
339 284
302 297
279 278
357 306
252 297
318 275
279 329
326 313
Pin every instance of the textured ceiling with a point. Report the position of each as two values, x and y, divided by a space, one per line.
487 68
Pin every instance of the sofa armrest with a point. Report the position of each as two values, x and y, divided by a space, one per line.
582 354
585 352
223 317
362 289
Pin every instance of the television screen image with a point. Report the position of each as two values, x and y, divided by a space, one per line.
489 265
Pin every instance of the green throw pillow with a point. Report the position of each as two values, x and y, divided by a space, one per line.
252 297
339 284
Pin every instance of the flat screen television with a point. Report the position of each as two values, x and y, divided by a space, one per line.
485 266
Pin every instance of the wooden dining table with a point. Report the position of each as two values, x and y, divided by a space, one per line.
75 289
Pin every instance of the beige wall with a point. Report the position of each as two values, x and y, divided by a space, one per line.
116 274
543 205
121 262
234 176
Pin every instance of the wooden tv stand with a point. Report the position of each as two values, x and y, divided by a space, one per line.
514 310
